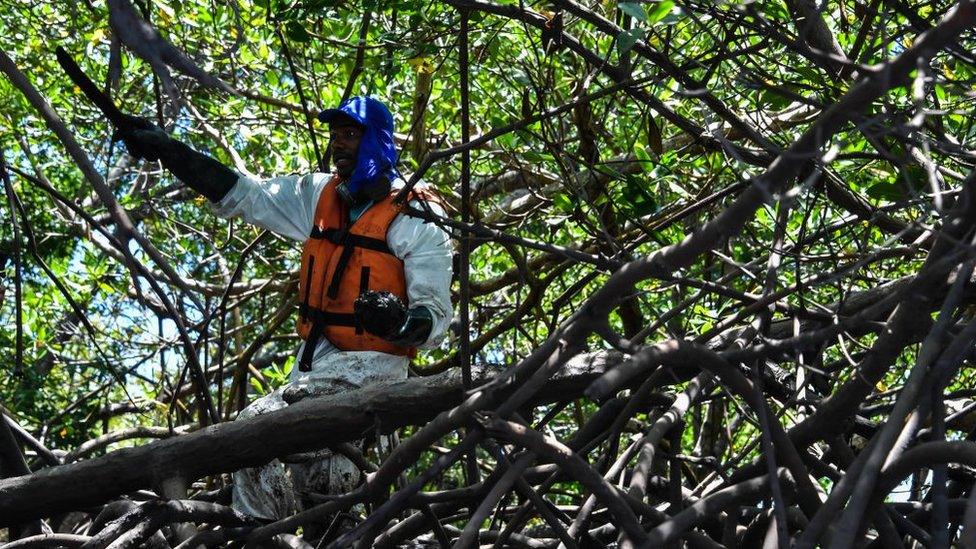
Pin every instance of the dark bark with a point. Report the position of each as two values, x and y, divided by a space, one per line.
307 425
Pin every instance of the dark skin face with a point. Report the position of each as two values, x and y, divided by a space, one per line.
345 135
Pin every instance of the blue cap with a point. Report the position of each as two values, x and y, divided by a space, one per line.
364 110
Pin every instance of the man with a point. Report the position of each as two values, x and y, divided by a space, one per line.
374 284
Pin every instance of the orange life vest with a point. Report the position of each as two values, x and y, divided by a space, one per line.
340 261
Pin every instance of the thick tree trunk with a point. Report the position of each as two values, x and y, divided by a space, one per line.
304 426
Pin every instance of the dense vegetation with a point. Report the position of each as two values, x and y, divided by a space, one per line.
746 226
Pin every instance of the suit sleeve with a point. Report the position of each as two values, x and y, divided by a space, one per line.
283 205
426 253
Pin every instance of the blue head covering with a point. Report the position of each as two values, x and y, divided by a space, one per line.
377 151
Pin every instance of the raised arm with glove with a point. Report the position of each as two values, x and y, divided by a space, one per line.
198 171
145 140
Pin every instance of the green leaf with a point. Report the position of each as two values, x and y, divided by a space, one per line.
774 10
640 151
297 32
640 202
912 177
634 10
627 39
774 99
884 190
660 11
563 202
536 157
256 385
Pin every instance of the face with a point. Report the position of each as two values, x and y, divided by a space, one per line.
345 136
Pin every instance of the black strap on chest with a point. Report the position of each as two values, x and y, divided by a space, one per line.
342 237
321 319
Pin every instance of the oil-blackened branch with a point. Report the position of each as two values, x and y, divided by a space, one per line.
136 526
903 322
576 468
12 464
304 426
301 97
140 36
709 506
18 268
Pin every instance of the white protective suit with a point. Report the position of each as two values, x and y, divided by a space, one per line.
286 206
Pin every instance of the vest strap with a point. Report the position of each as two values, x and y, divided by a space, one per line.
340 269
345 238
320 319
305 361
363 288
348 241
303 308
327 318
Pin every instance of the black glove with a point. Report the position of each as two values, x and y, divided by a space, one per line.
142 138
380 313
200 172
383 314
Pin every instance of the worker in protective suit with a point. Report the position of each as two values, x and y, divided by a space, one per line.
374 283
